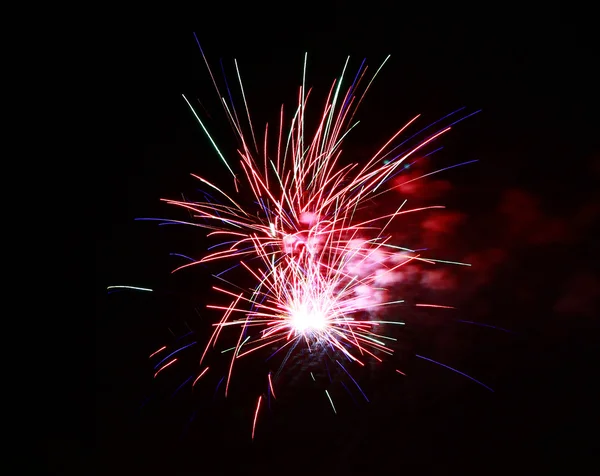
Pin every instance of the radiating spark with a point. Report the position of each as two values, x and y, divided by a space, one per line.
256 416
208 135
135 288
245 103
432 173
201 374
330 401
457 371
182 256
352 378
448 262
218 386
240 346
438 306
271 385
173 353
179 388
485 325
164 367
157 351
185 335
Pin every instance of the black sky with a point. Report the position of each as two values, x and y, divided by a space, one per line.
532 74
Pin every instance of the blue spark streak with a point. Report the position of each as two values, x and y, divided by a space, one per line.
457 371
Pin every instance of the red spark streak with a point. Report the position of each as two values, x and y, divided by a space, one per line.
164 367
201 374
438 306
271 385
256 416
156 352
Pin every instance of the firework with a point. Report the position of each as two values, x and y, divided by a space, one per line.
321 261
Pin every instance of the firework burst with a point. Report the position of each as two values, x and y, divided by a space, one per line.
321 259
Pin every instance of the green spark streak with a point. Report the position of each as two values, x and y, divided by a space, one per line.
240 347
333 149
393 302
313 377
389 322
345 134
228 282
383 337
354 278
335 96
130 287
233 348
427 259
378 69
245 103
364 336
289 138
303 100
277 174
208 135
330 401
221 192
397 247
447 262
368 86
394 167
355 206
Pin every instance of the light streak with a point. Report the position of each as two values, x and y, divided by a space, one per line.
135 288
164 367
256 416
271 385
330 401
199 376
157 351
457 371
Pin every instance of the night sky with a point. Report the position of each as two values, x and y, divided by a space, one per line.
524 216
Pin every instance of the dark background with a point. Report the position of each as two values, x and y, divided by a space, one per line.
532 73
